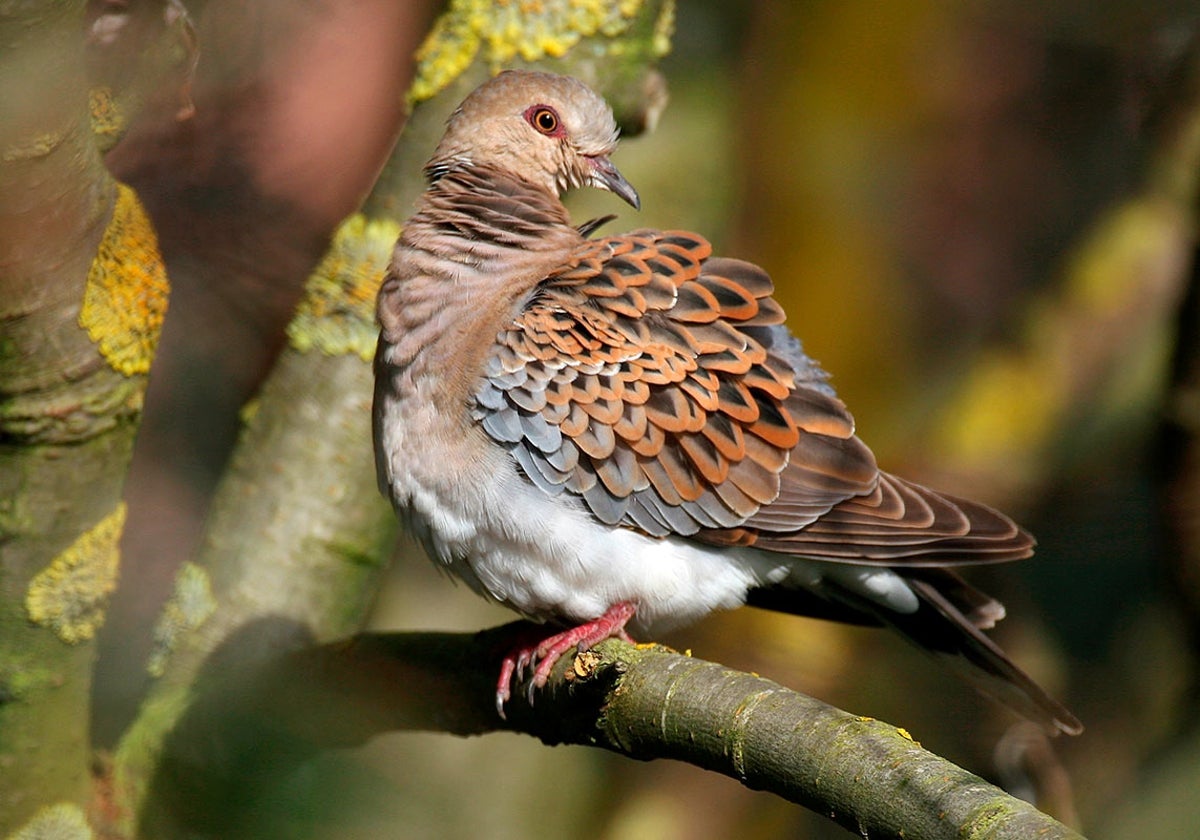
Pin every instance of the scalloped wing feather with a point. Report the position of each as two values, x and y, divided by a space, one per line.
656 383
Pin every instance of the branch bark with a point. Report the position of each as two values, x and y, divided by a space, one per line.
82 297
644 702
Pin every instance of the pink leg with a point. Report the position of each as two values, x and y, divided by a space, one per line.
543 655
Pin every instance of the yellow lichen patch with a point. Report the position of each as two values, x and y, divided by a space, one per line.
189 607
61 821
108 120
249 411
1007 405
528 29
654 646
1133 240
126 296
39 145
337 314
448 49
68 596
664 29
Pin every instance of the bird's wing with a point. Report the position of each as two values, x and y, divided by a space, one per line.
899 523
657 384
640 378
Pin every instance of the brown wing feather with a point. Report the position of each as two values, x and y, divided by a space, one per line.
650 365
655 383
900 523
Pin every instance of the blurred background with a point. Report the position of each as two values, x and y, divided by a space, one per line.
965 211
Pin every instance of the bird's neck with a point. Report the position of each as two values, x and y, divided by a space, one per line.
478 245
473 215
485 233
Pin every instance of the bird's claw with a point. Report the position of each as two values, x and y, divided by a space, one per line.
541 657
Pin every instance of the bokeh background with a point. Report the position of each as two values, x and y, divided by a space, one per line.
927 182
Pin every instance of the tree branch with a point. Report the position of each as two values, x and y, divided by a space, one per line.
645 702
82 296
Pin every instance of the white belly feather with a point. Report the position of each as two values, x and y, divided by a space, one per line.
548 558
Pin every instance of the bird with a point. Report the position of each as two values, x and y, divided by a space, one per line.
619 434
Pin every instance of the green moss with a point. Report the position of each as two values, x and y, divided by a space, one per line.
137 754
249 411
190 605
20 677
367 557
36 146
987 818
337 314
15 518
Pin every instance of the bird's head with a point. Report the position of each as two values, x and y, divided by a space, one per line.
552 131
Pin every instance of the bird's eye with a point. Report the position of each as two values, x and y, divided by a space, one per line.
544 120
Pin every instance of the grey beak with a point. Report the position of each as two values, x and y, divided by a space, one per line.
609 178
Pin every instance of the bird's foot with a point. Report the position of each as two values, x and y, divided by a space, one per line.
545 652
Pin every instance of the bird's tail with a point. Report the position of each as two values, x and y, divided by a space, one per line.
948 623
943 627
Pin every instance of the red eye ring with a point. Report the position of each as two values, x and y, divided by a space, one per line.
545 120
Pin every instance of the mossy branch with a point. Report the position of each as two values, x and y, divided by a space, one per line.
298 531
82 295
644 702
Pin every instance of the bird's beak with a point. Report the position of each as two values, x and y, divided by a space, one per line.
607 177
